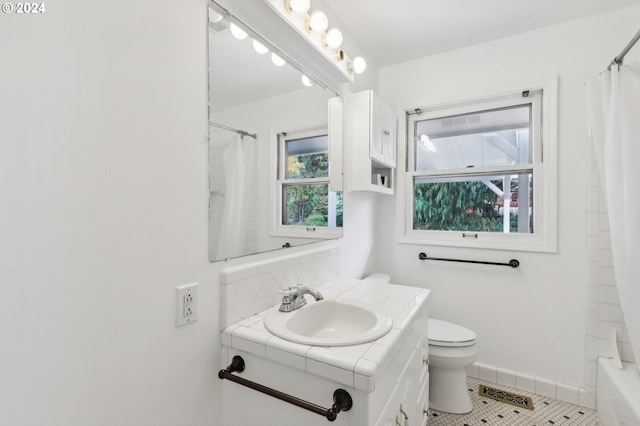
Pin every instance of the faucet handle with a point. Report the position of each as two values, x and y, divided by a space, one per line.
287 291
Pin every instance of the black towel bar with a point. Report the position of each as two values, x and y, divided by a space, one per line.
514 263
341 399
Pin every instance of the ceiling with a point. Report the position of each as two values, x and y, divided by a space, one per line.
393 32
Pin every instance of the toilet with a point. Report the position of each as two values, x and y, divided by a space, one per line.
452 348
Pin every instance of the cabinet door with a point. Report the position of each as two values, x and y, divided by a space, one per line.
377 142
422 401
389 130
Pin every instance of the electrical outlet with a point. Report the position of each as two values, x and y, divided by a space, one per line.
187 304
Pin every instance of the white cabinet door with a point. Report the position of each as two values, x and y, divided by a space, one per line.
377 140
383 132
389 130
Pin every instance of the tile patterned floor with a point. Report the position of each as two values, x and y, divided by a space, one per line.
487 412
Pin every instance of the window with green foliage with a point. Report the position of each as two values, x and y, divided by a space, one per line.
472 205
476 174
303 182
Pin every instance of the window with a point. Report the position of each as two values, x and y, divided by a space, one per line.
306 206
476 175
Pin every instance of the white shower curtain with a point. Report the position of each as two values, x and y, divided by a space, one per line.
238 163
613 103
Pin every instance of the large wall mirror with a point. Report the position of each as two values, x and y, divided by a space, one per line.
270 146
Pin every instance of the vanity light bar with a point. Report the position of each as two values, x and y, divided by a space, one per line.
241 32
315 28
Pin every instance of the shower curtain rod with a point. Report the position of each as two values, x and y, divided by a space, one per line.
618 59
231 129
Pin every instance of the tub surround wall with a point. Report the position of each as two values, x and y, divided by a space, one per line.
604 312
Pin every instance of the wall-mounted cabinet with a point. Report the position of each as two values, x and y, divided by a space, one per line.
371 142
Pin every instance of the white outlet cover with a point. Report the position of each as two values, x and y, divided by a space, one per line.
186 314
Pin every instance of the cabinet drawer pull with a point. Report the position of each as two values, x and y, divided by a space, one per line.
386 132
426 361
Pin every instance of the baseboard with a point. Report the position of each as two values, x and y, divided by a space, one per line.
582 396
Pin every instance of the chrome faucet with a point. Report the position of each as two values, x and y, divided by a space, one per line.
294 297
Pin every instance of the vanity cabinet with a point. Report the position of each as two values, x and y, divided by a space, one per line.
372 140
403 393
410 398
387 378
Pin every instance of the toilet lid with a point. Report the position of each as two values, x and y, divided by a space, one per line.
445 333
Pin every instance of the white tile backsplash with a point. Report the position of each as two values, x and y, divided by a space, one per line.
606 276
251 287
590 373
608 294
610 312
592 323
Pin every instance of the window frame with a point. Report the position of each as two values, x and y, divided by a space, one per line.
278 229
543 167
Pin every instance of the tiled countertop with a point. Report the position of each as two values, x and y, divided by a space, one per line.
356 366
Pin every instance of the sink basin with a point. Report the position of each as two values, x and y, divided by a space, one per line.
329 322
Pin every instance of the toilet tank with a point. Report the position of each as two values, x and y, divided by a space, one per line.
378 277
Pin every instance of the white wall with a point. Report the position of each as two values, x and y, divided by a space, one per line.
103 212
532 319
103 183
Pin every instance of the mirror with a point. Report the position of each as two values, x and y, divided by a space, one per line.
268 149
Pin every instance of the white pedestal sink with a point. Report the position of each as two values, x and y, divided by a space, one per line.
329 322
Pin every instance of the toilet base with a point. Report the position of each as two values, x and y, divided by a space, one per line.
448 391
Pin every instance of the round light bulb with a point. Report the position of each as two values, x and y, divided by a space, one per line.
214 16
277 60
306 81
318 21
298 6
333 38
237 32
259 47
358 65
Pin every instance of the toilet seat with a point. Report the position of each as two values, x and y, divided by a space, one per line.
447 334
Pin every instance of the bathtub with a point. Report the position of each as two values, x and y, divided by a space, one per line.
618 394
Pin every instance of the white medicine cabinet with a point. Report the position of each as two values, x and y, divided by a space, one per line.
371 140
